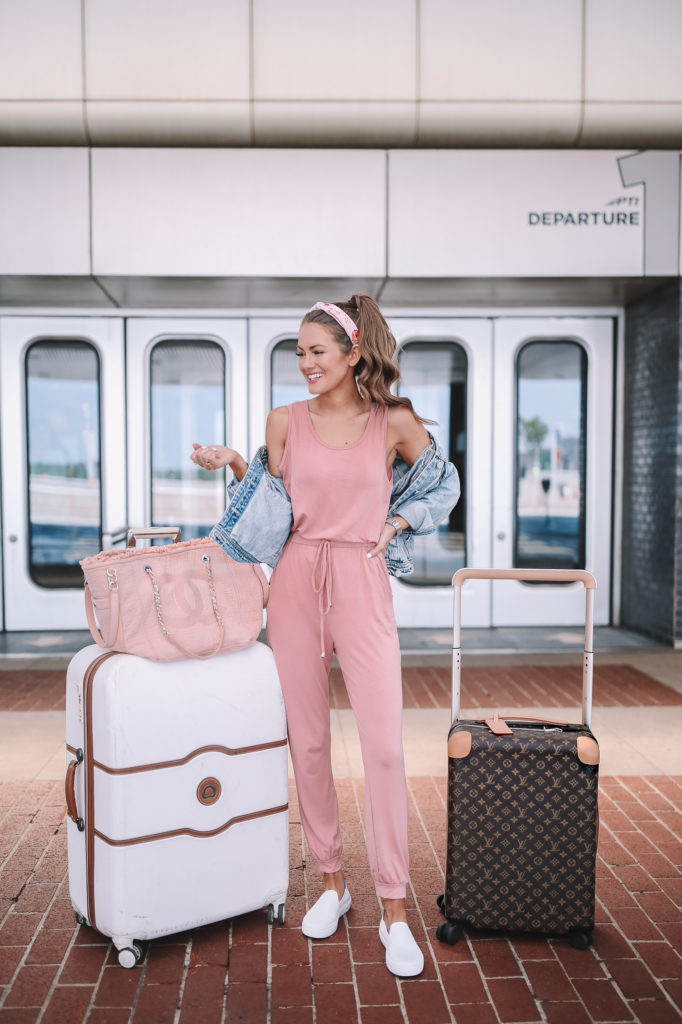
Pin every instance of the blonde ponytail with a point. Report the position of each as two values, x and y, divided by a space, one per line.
377 368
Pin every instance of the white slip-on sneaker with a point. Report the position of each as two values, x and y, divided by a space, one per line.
403 955
322 919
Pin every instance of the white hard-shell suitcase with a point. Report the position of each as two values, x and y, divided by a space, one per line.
177 792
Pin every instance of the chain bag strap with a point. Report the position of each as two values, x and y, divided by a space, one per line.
95 630
206 559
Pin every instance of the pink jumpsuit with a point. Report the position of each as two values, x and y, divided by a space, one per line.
326 596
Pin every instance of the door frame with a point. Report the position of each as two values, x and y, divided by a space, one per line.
27 605
474 335
142 333
564 604
265 332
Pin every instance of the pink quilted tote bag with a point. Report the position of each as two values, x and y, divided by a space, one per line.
187 600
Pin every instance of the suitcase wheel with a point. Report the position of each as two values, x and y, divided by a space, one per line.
579 938
440 900
280 915
448 932
130 956
81 920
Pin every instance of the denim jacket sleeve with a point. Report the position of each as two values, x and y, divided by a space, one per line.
424 494
260 535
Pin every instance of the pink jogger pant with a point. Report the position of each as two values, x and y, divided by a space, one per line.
360 627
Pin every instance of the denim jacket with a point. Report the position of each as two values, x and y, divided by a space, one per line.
258 518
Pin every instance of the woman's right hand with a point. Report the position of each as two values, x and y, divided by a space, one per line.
215 456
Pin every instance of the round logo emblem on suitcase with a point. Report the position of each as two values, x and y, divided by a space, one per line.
208 791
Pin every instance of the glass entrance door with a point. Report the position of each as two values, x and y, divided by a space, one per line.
187 381
552 465
446 369
63 461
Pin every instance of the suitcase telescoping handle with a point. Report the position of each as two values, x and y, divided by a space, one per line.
528 576
151 532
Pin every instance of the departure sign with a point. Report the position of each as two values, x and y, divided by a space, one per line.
533 213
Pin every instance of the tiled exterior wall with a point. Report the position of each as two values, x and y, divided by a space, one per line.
341 73
652 472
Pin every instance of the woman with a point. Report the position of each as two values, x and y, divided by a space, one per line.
341 477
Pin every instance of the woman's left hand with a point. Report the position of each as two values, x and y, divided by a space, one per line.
387 535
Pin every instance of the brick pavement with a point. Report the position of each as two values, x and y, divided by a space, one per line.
424 686
56 972
427 686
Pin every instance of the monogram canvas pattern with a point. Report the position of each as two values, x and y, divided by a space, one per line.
522 831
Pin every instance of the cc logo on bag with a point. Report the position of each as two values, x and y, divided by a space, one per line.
208 791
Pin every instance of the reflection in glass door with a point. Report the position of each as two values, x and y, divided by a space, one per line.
63 461
286 383
187 401
433 375
551 406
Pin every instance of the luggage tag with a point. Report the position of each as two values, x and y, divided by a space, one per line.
498 726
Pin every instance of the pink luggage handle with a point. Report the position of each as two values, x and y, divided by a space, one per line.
529 576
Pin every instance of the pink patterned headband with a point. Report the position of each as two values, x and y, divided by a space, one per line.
341 318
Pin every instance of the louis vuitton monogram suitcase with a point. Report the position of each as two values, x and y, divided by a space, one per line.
522 806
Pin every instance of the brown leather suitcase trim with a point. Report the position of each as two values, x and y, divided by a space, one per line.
459 744
90 783
191 831
232 751
588 750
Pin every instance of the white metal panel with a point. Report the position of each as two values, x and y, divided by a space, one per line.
239 212
28 606
481 213
492 50
167 49
432 606
141 335
344 50
44 215
632 51
40 50
516 604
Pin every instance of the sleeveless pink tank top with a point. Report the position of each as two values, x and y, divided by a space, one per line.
338 492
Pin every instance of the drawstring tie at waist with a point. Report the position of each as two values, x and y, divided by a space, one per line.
322 576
